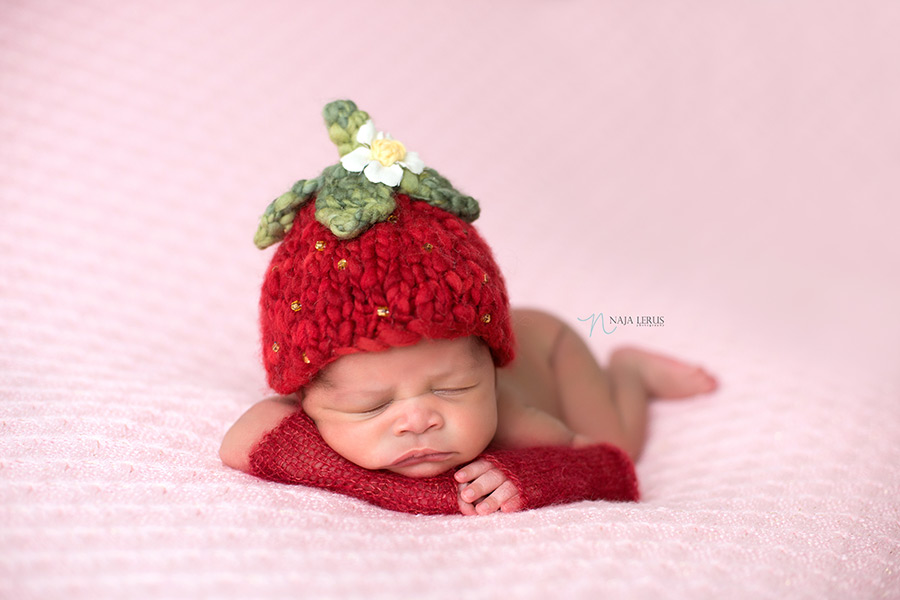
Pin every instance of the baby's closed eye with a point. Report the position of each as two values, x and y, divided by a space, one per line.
453 391
374 410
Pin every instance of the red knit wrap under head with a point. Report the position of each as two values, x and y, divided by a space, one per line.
422 274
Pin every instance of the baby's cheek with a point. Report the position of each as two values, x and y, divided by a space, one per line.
476 433
351 442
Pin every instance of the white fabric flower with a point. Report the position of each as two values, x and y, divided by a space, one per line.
381 158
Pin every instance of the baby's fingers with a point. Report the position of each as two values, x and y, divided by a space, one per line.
466 508
483 485
482 480
504 498
514 504
473 471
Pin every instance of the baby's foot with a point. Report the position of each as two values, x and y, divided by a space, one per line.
664 377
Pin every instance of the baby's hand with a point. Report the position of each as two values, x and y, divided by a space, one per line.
483 488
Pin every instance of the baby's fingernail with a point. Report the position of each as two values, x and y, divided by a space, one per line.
469 494
460 476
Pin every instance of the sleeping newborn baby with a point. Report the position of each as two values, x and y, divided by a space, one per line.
424 409
406 378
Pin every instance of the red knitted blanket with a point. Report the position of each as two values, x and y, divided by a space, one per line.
294 452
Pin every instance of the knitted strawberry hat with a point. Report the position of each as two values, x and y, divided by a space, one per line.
377 252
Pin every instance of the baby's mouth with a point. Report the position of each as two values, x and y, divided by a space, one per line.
416 457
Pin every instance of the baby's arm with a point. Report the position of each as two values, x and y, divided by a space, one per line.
250 428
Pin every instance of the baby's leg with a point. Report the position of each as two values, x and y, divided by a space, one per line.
611 405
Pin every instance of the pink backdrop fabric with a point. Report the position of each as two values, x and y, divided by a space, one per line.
730 167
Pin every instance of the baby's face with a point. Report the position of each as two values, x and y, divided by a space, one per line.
418 410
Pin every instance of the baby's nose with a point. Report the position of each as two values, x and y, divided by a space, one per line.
418 416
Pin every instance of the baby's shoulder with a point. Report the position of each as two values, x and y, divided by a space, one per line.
536 330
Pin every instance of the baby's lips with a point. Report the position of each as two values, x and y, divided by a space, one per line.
416 457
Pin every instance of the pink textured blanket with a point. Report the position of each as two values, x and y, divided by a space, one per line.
718 181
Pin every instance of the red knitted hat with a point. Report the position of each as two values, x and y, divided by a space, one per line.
377 252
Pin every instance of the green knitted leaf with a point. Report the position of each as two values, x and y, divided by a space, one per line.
348 203
437 191
343 121
278 218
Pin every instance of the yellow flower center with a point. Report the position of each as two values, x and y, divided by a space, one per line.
387 152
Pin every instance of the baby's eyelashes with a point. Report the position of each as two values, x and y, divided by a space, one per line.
452 391
374 410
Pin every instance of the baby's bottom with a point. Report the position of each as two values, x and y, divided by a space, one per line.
594 404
